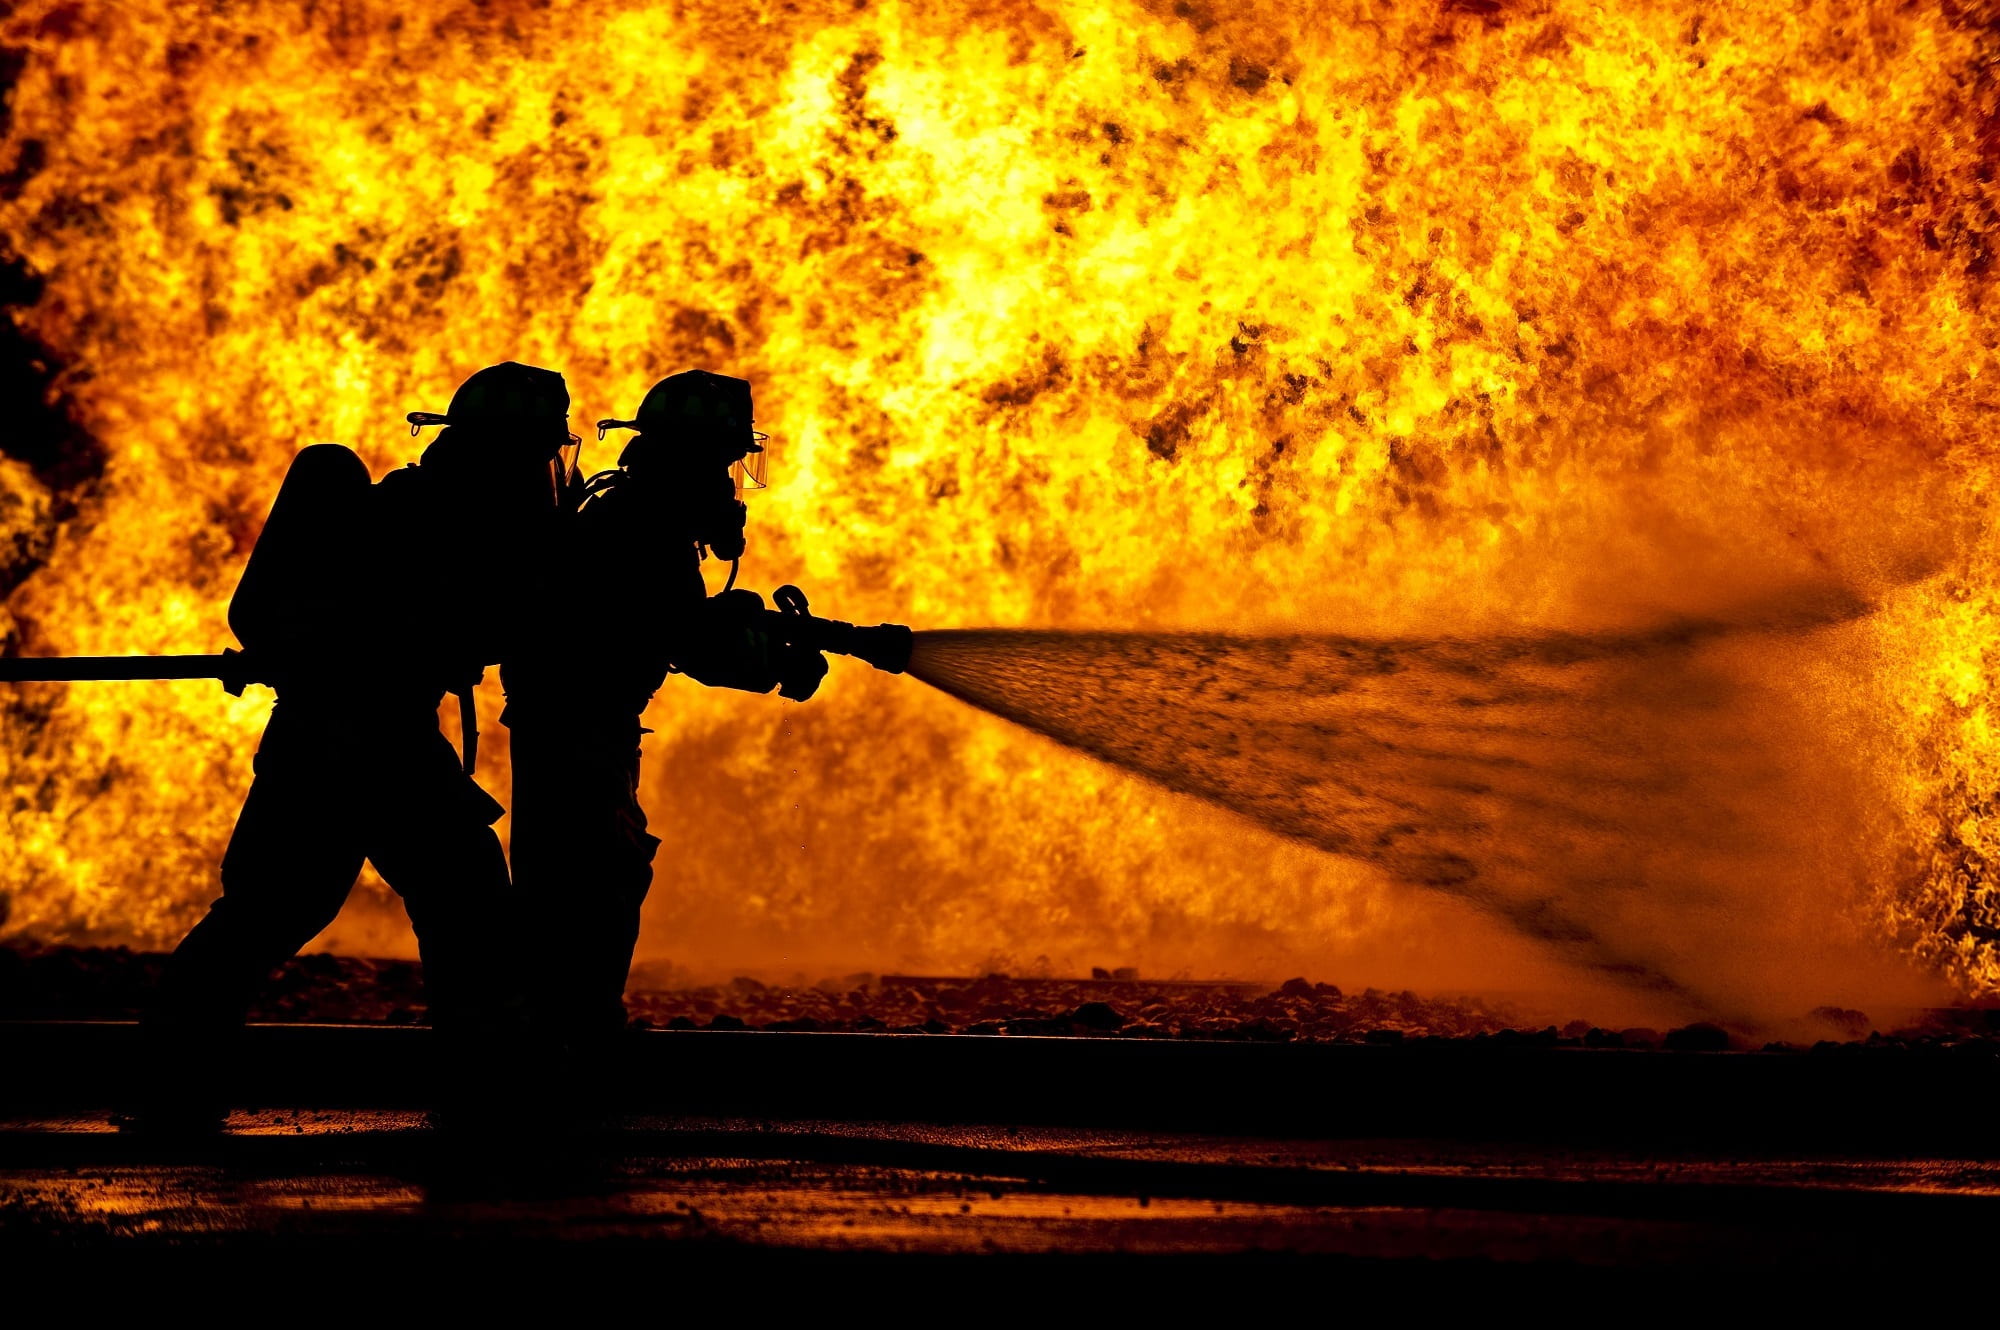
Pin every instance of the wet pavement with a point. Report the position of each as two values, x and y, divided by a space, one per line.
1032 1161
324 1181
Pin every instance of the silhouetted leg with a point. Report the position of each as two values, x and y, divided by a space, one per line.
625 870
602 903
287 871
430 835
289 866
582 863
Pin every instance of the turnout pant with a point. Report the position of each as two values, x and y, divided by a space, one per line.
583 862
336 786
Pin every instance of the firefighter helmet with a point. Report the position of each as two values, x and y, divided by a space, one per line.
509 395
709 407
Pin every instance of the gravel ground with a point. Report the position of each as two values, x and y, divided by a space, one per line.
44 982
40 982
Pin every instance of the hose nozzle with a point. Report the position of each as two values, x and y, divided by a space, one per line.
886 646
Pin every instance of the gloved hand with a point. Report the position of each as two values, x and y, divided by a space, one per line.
799 670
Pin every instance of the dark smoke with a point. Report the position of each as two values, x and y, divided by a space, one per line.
1636 800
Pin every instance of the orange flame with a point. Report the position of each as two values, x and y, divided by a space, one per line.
1099 315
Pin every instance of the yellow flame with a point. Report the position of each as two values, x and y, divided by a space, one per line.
1061 314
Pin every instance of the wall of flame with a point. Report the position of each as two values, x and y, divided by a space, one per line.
1360 316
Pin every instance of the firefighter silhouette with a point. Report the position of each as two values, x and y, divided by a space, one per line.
582 854
364 604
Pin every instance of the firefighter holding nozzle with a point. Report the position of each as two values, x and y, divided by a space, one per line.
639 610
363 604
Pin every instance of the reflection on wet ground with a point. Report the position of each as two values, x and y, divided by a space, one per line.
368 1180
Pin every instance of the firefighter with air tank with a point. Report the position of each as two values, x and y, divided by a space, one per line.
363 604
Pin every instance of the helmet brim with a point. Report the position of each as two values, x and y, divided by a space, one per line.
603 425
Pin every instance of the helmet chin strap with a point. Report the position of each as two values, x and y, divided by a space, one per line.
734 564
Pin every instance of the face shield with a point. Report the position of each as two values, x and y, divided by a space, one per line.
748 471
562 467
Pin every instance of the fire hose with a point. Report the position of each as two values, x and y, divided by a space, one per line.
885 646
